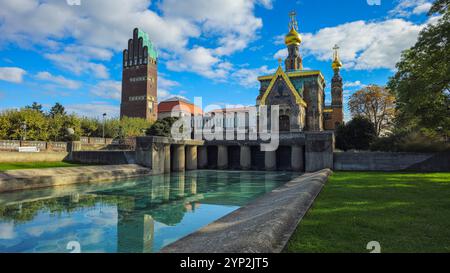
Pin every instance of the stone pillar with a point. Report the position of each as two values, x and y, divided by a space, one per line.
166 158
297 162
222 157
74 146
191 157
202 157
179 158
245 158
270 161
319 148
158 158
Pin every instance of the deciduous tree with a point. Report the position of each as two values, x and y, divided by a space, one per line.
376 104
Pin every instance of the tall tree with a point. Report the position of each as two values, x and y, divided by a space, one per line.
422 82
357 134
376 104
57 109
35 106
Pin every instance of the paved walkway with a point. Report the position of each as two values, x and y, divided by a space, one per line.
49 177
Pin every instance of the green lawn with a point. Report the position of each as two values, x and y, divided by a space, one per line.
35 165
404 212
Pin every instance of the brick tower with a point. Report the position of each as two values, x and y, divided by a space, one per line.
337 90
139 78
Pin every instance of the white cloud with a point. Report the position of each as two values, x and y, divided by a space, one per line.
100 28
201 61
357 84
406 8
94 109
282 53
364 45
108 89
78 64
424 8
166 83
249 77
59 80
12 74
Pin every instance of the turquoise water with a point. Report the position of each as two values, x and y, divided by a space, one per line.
135 215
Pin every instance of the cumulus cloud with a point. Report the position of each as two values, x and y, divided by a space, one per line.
165 86
202 61
12 74
101 28
249 77
108 89
355 84
364 45
59 80
406 8
78 64
94 109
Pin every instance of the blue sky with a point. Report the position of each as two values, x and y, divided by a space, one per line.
51 51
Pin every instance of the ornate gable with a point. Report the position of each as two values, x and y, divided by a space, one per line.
280 73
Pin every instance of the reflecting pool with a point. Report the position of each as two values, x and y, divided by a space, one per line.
134 215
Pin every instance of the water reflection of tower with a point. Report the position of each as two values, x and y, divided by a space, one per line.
137 215
135 230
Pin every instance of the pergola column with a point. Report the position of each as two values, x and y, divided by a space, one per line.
191 157
297 162
166 158
222 157
179 158
270 161
245 157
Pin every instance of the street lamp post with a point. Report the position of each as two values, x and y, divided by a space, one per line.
24 128
104 117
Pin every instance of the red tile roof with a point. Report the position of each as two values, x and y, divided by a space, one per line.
178 105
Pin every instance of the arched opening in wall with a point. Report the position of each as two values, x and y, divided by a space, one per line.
212 156
285 124
284 158
234 157
257 158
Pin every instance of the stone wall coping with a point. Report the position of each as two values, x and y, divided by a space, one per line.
167 140
263 226
50 177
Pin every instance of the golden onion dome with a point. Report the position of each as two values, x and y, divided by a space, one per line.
337 64
293 38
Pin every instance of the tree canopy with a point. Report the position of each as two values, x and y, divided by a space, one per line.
376 104
422 82
357 134
32 123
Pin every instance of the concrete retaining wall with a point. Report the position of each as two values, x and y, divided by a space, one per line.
263 226
103 157
13 145
389 161
32 157
42 178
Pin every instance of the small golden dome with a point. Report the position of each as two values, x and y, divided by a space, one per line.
293 38
337 64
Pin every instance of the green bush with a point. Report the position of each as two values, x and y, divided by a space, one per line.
162 127
421 141
357 134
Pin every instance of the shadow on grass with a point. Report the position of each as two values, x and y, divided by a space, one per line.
405 212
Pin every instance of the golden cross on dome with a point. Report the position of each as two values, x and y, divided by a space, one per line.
336 48
280 61
293 23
